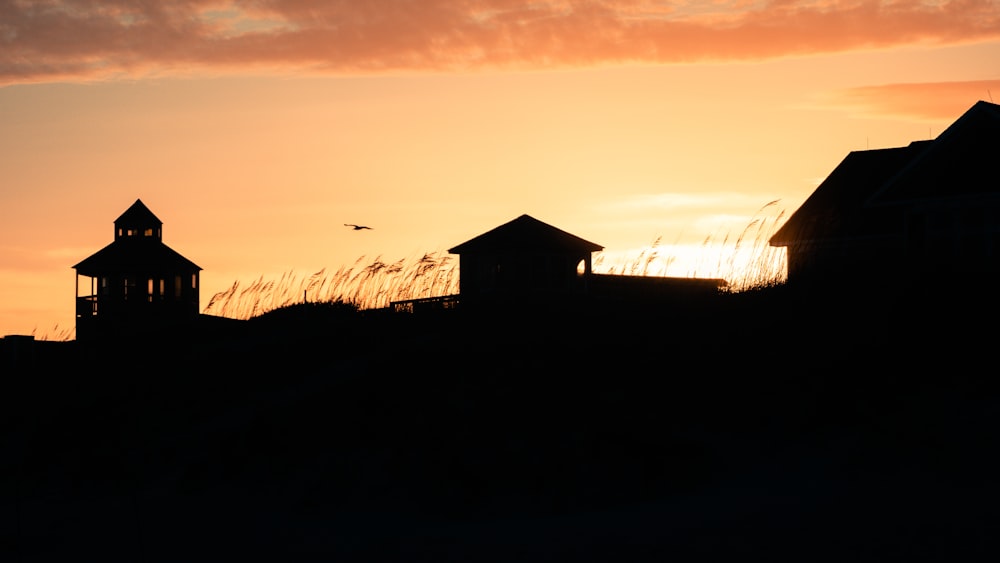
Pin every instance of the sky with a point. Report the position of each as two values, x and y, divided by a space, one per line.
256 129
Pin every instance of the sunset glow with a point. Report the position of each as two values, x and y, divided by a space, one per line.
663 131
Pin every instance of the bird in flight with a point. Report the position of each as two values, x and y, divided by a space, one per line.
357 227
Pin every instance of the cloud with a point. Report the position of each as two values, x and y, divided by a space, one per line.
48 40
932 101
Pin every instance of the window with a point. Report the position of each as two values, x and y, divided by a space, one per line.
148 232
194 281
178 287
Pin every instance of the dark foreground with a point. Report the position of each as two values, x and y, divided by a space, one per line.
775 426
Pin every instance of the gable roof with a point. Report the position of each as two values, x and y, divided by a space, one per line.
961 161
525 234
853 197
839 200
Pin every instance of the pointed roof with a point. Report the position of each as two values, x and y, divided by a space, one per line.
138 214
525 234
126 254
121 256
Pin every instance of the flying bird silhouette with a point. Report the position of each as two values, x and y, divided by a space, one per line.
357 227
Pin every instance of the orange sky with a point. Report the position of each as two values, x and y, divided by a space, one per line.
255 130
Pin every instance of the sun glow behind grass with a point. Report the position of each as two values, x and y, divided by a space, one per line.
745 261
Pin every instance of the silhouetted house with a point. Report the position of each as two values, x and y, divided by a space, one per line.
523 257
136 284
526 259
921 214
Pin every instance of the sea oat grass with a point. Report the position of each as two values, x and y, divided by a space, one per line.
366 286
746 262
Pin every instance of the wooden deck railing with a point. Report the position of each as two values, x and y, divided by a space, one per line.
439 303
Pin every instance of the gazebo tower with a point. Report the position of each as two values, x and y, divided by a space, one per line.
136 284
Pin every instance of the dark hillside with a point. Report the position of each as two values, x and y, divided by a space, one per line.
779 424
